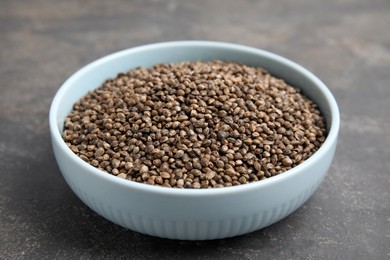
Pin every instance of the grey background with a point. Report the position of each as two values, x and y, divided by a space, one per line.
346 43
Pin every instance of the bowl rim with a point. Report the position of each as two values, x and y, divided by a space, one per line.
325 148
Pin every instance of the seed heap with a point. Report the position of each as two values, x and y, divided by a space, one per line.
195 125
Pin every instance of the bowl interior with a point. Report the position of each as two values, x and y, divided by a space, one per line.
94 74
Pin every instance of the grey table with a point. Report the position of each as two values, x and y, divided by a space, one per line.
346 43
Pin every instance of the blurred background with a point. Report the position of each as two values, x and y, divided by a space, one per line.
346 43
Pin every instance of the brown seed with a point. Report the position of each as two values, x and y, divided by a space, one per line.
287 161
222 135
145 176
164 139
115 163
99 152
196 172
165 175
219 164
182 118
230 172
210 175
197 165
143 169
257 165
179 154
159 180
224 148
204 161
242 180
249 156
158 154
188 165
180 183
188 185
122 175
166 184
241 169
151 181
95 163
227 178
128 165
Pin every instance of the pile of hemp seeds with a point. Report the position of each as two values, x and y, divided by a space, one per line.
195 125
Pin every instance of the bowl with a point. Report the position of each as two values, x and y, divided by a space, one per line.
189 214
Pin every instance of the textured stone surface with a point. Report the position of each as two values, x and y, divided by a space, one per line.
346 43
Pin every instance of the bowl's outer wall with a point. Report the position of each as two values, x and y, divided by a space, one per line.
192 217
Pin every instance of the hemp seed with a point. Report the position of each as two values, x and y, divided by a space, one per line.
195 125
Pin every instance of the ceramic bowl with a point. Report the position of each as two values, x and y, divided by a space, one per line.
190 214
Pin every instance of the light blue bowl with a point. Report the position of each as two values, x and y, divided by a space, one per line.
182 213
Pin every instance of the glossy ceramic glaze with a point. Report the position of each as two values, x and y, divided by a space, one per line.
190 214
